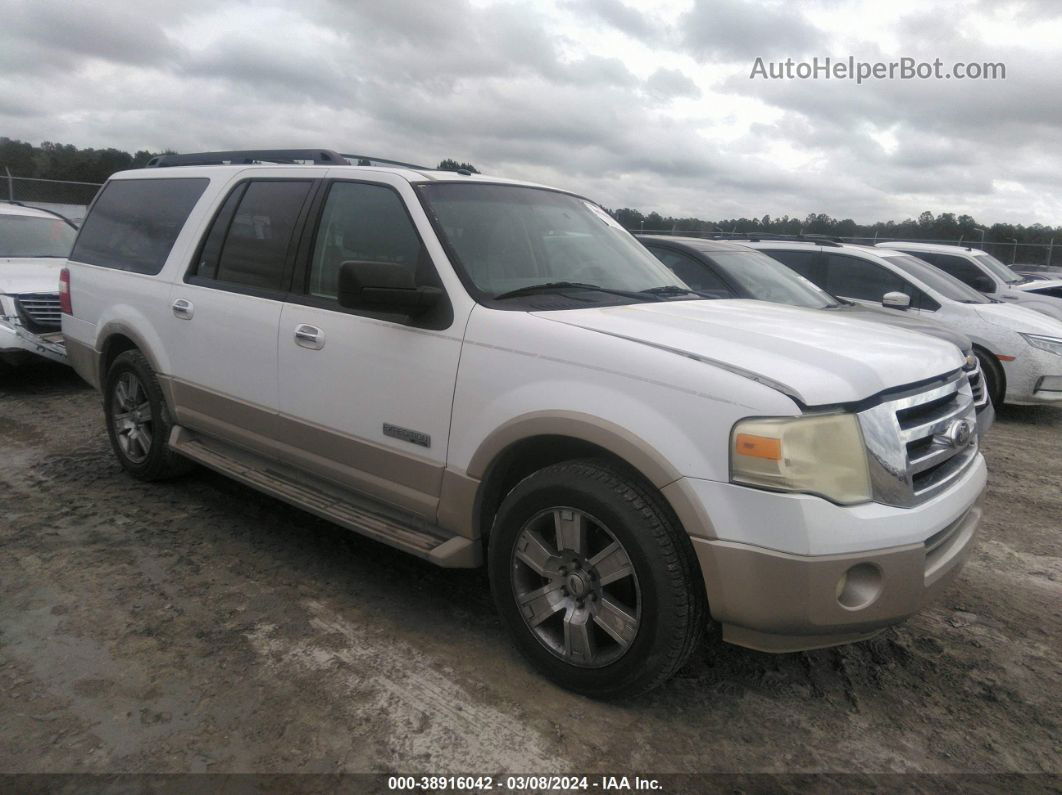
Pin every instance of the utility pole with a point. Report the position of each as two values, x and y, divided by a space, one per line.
1014 255
10 184
1050 248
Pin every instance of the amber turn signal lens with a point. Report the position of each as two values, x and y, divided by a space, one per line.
758 446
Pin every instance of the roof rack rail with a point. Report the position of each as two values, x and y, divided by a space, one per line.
42 209
319 157
818 240
368 160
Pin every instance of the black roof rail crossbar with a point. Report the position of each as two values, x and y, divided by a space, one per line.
369 160
818 240
319 157
42 209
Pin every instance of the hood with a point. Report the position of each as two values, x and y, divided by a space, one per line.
1044 304
1040 284
893 317
30 275
1020 318
818 358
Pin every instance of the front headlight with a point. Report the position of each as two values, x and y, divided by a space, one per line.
823 455
1049 344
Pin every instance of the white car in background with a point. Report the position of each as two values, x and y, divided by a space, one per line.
34 245
988 275
1020 350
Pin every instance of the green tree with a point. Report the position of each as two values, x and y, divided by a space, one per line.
450 164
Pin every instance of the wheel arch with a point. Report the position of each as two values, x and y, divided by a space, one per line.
998 369
116 338
532 442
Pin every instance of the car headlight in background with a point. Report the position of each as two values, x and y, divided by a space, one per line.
823 455
1049 344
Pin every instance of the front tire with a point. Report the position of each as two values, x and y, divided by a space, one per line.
992 373
138 420
595 580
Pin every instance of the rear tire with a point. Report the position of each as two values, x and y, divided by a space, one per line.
995 380
138 420
596 581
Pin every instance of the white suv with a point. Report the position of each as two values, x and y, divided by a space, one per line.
1020 350
986 274
476 370
34 245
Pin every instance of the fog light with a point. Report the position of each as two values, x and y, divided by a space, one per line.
859 587
1050 383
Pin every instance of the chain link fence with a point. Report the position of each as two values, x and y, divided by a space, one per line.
66 197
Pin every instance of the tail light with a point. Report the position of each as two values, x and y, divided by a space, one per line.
64 292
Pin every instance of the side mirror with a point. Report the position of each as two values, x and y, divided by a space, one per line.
983 284
384 287
896 301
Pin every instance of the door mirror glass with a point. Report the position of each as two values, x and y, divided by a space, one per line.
896 300
384 287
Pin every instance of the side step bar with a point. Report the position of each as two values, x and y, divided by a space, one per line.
359 514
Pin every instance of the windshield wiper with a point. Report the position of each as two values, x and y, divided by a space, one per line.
551 286
674 289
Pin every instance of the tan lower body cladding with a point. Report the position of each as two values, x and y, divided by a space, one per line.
406 482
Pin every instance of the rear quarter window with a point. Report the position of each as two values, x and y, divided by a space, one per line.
134 222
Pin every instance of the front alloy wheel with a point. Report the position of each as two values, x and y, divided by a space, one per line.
577 590
595 579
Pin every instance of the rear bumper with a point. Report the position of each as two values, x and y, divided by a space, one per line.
778 602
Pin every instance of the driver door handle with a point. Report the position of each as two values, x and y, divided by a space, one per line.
309 337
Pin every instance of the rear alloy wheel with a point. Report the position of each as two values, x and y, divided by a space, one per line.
131 418
595 579
138 420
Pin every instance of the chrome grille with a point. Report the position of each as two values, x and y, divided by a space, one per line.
39 312
917 441
977 382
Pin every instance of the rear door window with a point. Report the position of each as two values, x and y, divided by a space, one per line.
250 243
133 223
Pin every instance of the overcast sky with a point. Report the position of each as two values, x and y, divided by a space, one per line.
642 105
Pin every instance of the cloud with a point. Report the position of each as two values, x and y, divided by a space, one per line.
620 16
731 30
648 108
665 84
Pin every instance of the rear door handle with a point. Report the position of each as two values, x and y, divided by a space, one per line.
309 337
183 309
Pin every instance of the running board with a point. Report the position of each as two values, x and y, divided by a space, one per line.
330 502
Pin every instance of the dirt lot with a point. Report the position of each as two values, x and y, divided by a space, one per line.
198 626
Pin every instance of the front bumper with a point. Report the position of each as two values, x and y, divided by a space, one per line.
1025 376
776 602
17 343
787 572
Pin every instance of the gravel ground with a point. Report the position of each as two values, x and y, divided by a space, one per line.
198 626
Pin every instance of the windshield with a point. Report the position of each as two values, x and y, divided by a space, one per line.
507 237
25 236
767 279
998 268
935 279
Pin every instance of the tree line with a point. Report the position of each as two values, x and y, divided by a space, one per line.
67 162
